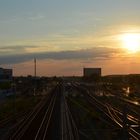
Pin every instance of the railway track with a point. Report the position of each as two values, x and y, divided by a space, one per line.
43 128
69 129
118 118
50 120
28 128
115 115
10 119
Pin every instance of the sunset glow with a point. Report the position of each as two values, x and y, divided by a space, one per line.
89 33
131 42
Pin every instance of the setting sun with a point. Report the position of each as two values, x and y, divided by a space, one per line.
131 41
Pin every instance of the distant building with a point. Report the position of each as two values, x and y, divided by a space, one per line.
89 72
6 75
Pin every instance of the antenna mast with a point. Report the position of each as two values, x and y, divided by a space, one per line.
35 67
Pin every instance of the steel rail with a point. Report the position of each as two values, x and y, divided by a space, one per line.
22 127
76 136
68 124
46 119
132 132
25 123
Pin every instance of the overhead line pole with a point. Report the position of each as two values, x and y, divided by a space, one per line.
35 67
35 76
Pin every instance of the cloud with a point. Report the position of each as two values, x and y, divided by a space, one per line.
17 49
96 53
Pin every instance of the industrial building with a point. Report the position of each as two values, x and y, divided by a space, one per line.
89 72
5 82
5 75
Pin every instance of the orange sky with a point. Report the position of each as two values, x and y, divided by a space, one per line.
66 36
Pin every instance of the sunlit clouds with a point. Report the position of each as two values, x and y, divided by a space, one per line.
67 35
71 53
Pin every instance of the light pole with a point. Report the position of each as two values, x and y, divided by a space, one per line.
34 76
35 67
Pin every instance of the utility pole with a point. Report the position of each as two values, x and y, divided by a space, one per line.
34 76
35 67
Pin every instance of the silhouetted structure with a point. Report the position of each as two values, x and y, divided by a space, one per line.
92 74
89 72
5 74
35 67
5 79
